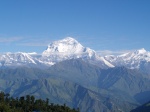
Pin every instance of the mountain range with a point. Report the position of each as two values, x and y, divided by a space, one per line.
67 72
69 48
138 59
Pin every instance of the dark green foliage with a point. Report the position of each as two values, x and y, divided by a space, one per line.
29 104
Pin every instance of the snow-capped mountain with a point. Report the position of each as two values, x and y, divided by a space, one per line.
69 48
134 60
16 59
57 51
65 46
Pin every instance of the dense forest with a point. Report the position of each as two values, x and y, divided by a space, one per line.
30 104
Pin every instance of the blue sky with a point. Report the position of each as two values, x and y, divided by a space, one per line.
114 25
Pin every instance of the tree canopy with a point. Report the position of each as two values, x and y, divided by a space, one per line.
30 104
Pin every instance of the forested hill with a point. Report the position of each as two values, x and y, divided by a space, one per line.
30 104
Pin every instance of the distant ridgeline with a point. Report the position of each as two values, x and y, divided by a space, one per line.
30 104
144 108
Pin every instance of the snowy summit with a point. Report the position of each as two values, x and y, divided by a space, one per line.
67 45
133 60
69 48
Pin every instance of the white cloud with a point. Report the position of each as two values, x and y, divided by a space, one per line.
9 40
109 52
25 41
33 44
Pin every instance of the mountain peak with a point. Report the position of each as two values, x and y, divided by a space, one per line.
66 41
66 45
69 39
141 51
69 48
